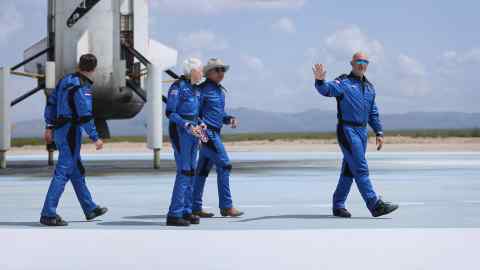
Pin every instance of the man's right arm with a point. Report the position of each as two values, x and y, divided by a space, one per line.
50 113
328 89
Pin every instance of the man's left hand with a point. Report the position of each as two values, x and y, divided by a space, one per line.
234 123
380 141
48 136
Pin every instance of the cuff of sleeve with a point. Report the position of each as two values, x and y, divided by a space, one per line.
319 82
94 138
227 119
380 134
49 126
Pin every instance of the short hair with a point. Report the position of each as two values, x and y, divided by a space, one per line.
191 64
88 62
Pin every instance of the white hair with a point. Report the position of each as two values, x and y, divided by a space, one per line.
191 64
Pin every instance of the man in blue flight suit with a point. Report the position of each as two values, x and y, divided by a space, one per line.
212 112
184 129
68 111
356 108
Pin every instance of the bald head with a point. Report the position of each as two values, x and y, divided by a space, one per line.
359 64
359 56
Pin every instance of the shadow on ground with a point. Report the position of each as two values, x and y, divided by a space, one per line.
131 223
304 217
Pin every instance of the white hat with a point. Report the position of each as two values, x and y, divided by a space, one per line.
215 63
191 64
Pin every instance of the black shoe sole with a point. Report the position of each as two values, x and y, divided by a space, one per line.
386 213
195 221
97 215
340 216
346 214
54 225
50 224
177 224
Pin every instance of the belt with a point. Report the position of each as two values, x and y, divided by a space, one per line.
190 117
351 123
212 128
62 121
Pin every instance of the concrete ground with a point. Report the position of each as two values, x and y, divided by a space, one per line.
286 197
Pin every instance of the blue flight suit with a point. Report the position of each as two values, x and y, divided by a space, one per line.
182 110
68 111
356 108
212 113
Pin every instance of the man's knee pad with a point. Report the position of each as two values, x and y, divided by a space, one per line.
188 173
203 173
228 167
211 145
204 170
81 168
346 171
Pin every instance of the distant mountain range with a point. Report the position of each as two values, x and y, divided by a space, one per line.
255 121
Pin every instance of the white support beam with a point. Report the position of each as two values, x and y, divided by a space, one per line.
154 109
5 124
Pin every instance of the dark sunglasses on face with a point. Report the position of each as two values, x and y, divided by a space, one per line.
220 69
361 62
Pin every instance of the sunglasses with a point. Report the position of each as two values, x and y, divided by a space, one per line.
220 69
362 62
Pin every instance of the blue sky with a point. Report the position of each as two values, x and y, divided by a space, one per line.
425 54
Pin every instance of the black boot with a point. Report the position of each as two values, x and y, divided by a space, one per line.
193 219
179 222
341 212
99 211
383 208
56 221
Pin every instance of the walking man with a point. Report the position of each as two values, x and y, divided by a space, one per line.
356 108
212 112
67 113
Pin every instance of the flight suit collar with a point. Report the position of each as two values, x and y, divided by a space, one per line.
83 78
217 85
353 76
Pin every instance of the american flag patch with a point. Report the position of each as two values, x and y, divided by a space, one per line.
88 94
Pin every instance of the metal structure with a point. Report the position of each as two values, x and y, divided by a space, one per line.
129 73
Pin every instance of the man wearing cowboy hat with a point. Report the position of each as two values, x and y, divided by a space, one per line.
213 115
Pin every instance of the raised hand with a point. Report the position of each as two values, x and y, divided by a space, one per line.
319 71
